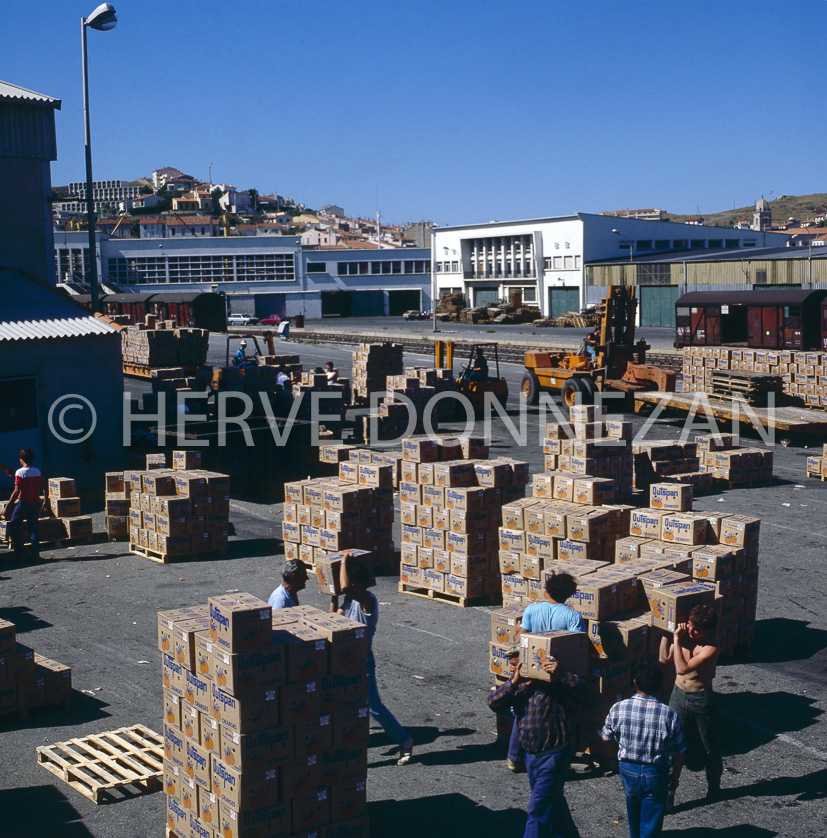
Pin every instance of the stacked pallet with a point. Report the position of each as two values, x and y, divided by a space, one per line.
674 559
265 720
326 515
803 374
182 511
372 363
755 388
29 680
65 520
588 446
162 347
450 507
817 466
316 382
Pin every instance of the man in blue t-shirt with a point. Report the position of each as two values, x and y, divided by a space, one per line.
545 616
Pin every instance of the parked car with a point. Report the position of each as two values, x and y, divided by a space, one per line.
273 320
413 314
241 320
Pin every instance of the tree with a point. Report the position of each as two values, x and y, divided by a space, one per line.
216 195
253 193
145 190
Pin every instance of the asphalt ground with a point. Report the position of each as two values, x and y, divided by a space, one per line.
94 608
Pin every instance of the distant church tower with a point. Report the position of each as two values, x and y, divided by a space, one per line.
762 217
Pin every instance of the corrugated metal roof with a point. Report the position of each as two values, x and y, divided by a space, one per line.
30 310
756 297
19 94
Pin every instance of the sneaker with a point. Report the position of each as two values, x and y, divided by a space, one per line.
511 765
406 753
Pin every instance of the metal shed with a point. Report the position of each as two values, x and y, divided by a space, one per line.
135 305
198 309
771 319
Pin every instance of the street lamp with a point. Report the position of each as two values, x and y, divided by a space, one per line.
103 19
618 233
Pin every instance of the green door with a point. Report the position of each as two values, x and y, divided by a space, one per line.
483 296
657 305
563 300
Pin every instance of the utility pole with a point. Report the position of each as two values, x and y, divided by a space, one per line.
211 176
378 230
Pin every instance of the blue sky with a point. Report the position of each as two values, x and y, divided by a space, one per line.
452 111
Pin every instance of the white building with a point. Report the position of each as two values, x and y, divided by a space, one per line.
547 257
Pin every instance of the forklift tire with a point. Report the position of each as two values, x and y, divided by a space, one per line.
530 388
589 390
573 392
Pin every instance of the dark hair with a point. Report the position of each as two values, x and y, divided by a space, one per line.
290 569
318 370
704 617
648 678
329 364
27 455
281 368
357 571
560 586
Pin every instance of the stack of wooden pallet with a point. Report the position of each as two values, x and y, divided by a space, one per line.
747 385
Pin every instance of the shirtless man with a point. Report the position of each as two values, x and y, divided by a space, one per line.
695 654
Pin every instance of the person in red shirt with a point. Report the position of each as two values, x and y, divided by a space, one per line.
25 505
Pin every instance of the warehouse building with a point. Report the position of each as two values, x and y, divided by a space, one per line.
662 279
259 275
548 258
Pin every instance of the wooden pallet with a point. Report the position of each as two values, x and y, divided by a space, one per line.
103 763
821 477
439 596
165 558
54 544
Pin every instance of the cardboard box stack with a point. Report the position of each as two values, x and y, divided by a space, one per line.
450 501
589 446
314 382
817 466
27 679
671 560
669 460
174 512
372 363
326 515
804 374
265 720
152 344
726 461
65 521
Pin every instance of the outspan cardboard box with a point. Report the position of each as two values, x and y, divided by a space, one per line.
594 599
247 672
505 622
671 604
683 528
645 523
671 497
328 568
571 648
713 563
740 530
624 640
239 622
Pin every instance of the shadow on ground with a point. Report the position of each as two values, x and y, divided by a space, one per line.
40 811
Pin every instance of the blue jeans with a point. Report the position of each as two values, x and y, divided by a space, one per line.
381 713
27 512
698 710
646 787
548 811
515 749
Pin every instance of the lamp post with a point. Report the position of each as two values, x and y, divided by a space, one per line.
103 19
618 233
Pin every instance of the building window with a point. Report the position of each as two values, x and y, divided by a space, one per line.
697 244
760 277
679 244
530 294
558 263
568 263
455 267
716 242
731 243
661 244
547 263
317 267
18 405
641 245
577 263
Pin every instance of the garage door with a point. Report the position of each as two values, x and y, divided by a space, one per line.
657 305
19 423
563 300
483 296
401 301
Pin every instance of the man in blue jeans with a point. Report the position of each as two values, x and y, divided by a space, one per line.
647 734
552 613
540 710
360 605
25 505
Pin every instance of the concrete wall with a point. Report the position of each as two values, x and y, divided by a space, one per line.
89 366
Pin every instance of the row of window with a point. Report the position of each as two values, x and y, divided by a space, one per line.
447 267
390 266
684 244
562 263
270 267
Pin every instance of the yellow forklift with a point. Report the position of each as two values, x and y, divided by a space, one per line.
476 378
578 377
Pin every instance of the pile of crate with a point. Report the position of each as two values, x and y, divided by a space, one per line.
65 521
329 514
29 679
673 560
804 374
372 363
157 346
817 466
589 446
182 511
450 501
407 397
315 382
723 458
669 460
265 720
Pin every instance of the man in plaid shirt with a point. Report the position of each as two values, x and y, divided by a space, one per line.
545 735
647 733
